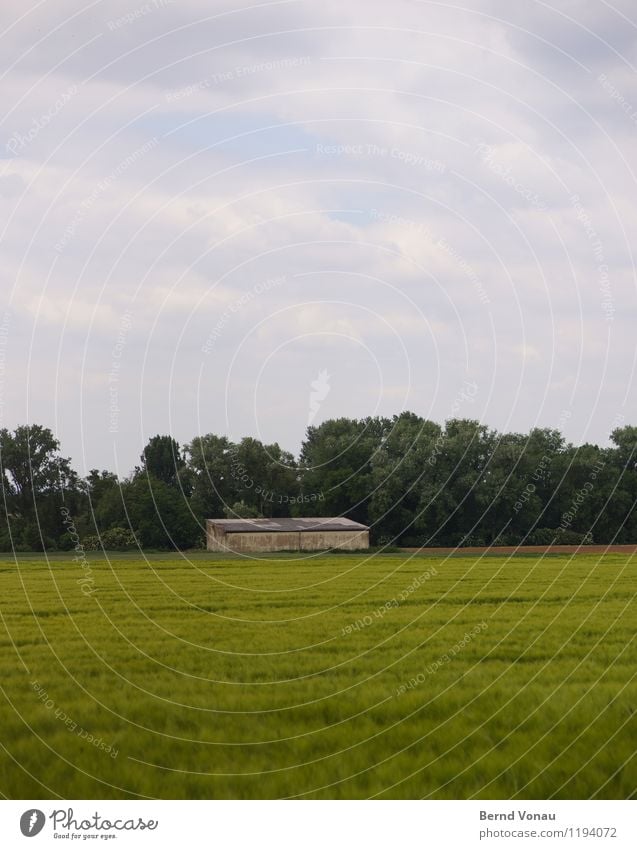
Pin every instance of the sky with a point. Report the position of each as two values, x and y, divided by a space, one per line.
243 220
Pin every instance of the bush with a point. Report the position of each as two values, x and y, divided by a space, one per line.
506 539
541 536
161 515
241 510
472 540
384 540
558 536
568 537
413 541
67 542
117 539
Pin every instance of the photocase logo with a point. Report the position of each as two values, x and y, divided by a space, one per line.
32 822
320 391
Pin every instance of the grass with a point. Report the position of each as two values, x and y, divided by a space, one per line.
386 676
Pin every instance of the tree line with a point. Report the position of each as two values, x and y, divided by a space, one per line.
415 482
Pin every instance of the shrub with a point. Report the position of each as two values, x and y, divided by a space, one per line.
541 536
569 537
558 536
241 510
413 541
116 539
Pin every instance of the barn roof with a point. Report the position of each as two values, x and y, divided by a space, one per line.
251 526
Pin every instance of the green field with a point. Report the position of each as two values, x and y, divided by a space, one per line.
326 677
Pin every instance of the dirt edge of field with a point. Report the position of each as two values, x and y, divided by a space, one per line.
531 549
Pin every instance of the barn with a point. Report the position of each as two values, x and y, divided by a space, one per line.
253 535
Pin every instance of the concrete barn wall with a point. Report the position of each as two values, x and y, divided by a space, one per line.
214 538
262 542
289 541
347 540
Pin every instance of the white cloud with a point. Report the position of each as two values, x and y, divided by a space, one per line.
235 191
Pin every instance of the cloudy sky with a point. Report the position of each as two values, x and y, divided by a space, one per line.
238 220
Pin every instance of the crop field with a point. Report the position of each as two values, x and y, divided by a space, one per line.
343 676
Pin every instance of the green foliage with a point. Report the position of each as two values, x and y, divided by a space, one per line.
220 473
36 482
209 475
241 510
160 516
542 536
162 460
337 465
115 539
31 465
413 481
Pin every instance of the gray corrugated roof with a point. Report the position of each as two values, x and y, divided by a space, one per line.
243 526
